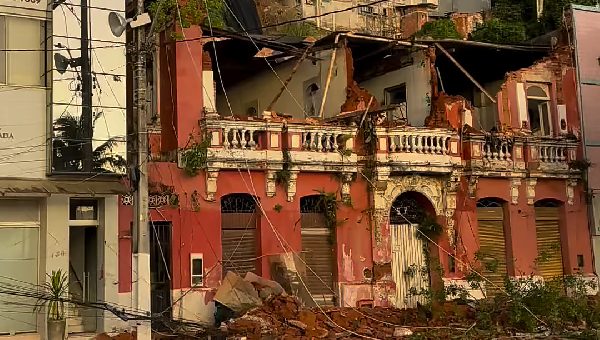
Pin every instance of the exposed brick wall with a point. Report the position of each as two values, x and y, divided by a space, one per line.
465 22
412 23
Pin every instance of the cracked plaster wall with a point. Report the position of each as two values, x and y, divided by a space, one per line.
242 95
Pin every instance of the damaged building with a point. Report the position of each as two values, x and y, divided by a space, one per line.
327 160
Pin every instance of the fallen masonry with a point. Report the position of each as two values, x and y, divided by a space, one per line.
277 315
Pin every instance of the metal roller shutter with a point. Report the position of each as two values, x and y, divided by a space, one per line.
492 244
318 250
238 241
408 257
548 242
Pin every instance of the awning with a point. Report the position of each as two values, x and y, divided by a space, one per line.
20 187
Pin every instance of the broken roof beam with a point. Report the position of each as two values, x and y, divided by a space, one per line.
465 72
287 81
275 45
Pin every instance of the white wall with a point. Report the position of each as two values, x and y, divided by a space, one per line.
418 88
265 86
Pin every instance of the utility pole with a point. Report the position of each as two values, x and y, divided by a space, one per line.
86 90
140 218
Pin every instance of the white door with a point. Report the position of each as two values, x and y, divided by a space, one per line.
408 266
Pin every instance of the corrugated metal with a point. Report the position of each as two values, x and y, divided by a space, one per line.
239 251
238 241
548 242
492 244
318 250
408 264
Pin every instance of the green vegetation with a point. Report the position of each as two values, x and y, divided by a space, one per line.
516 21
439 29
194 158
191 13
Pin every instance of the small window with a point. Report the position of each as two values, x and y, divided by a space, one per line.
366 10
312 97
83 209
538 109
451 264
580 262
396 96
197 263
21 55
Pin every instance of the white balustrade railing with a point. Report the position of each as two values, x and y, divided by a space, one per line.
553 154
245 137
499 152
322 141
419 142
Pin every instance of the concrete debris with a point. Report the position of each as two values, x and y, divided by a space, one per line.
237 294
282 317
401 331
265 287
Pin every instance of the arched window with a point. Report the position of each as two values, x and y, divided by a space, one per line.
406 209
492 241
238 233
549 261
318 246
538 109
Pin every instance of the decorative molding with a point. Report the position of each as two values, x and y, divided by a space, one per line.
291 185
211 184
127 199
515 183
450 210
571 184
430 187
454 181
154 200
472 186
530 185
346 182
270 183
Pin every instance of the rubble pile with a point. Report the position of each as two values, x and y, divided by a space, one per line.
282 317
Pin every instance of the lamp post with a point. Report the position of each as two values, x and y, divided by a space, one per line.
141 237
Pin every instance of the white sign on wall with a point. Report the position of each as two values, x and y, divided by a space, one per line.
35 8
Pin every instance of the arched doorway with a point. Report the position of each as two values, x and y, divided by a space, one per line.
492 242
238 233
409 267
547 229
318 244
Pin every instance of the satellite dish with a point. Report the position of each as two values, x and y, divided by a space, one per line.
61 62
117 23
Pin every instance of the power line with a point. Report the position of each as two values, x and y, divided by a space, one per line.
326 13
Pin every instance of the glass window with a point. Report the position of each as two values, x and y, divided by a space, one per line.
82 209
197 270
23 59
2 50
538 111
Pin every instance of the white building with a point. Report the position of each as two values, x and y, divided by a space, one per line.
53 214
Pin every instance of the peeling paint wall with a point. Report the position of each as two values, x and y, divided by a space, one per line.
263 88
418 88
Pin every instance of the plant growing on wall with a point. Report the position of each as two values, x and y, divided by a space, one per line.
187 14
282 177
194 158
581 165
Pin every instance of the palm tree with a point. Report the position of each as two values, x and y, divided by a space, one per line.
68 147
